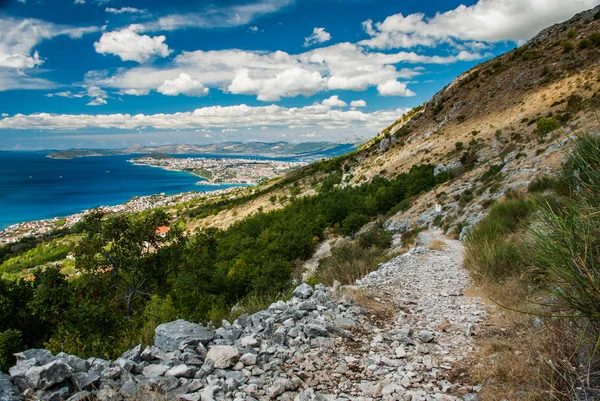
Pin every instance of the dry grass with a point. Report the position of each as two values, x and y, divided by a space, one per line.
382 310
437 245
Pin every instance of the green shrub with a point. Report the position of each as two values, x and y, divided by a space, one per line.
10 343
490 252
567 47
354 223
348 263
595 38
376 237
542 184
546 125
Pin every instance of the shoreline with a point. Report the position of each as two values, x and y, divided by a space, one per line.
35 228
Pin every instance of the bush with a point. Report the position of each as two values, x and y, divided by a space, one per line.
567 47
546 125
490 252
348 263
542 184
376 237
353 223
10 343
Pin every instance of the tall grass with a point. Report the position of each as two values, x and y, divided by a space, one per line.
493 250
567 241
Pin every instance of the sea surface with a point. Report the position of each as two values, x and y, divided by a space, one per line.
35 187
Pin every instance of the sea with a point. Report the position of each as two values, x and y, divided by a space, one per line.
35 187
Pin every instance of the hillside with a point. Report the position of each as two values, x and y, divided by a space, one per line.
485 120
419 251
311 150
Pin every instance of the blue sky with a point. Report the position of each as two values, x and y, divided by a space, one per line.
113 73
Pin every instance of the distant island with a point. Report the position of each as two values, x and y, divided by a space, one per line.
266 149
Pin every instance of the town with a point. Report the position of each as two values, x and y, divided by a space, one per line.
14 233
222 170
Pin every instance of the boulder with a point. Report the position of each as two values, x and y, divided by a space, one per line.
8 391
41 356
303 291
59 393
81 396
77 364
43 377
180 371
169 336
223 356
154 370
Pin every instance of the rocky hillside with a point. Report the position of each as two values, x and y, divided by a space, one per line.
497 126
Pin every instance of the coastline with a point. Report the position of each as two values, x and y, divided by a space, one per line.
35 228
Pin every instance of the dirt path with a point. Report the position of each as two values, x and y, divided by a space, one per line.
422 325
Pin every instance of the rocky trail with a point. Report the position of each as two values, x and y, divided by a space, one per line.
396 335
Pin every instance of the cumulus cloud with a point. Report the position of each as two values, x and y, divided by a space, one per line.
287 83
394 88
319 35
129 45
124 10
96 102
358 103
485 21
334 101
19 37
214 117
271 76
183 84
17 79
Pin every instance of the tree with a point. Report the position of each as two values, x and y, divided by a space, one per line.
134 254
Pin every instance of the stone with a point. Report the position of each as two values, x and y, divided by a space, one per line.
303 291
8 391
107 394
180 371
248 359
112 373
86 381
77 364
134 354
249 341
223 356
81 396
53 394
169 336
426 336
42 356
279 387
471 397
129 388
151 371
19 371
43 377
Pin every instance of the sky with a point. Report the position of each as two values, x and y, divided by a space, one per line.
114 73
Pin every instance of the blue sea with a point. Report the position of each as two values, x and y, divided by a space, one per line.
35 187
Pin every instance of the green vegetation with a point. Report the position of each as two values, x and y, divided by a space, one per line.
353 260
42 254
541 255
546 125
131 278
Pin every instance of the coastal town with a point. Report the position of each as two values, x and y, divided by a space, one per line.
221 170
16 232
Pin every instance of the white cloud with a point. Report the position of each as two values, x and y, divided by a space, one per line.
485 21
183 84
319 35
124 10
273 75
79 2
287 83
96 102
129 45
334 101
215 17
215 117
394 88
18 79
67 94
253 29
358 103
18 37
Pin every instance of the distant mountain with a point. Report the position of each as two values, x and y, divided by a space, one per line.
274 149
